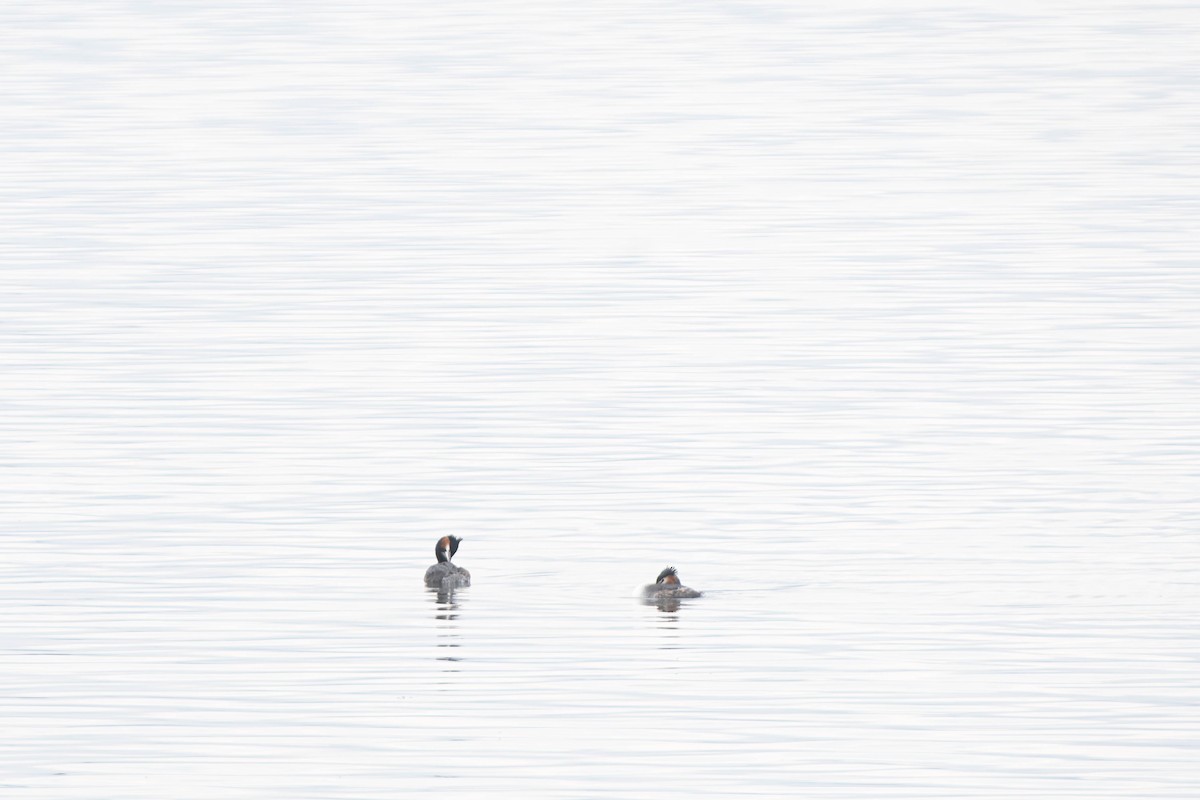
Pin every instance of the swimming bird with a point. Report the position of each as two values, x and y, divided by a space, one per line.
668 587
443 574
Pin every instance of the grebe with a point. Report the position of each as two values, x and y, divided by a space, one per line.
443 574
668 587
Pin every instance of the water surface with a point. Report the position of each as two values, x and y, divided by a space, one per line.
879 322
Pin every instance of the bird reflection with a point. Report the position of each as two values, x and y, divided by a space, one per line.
667 623
667 606
445 597
445 614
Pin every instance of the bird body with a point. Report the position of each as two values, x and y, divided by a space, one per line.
668 587
443 574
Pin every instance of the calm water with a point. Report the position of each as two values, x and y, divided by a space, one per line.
880 322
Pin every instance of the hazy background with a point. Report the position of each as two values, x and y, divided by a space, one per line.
880 321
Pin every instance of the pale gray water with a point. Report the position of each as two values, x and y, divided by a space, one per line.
879 321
